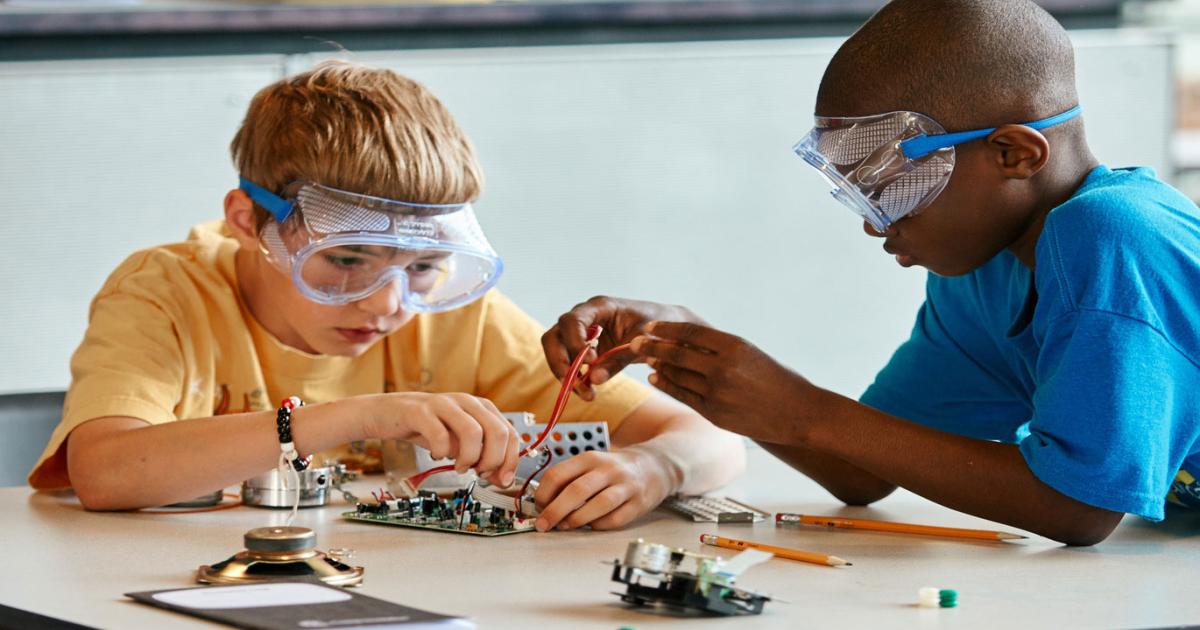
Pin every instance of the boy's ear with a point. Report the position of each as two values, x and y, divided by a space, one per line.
1020 151
241 219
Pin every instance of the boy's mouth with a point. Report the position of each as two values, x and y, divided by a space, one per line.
359 335
902 258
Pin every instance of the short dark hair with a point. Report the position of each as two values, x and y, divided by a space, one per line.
966 63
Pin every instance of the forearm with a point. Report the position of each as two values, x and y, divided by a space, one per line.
165 463
987 479
850 484
695 455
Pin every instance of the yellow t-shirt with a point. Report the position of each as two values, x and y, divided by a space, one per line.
169 338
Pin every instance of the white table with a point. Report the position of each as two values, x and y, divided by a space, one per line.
62 561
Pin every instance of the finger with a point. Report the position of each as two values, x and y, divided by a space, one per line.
675 353
512 457
683 395
583 389
436 435
603 503
620 517
558 476
557 357
497 434
689 333
566 338
610 364
506 471
466 429
571 498
683 377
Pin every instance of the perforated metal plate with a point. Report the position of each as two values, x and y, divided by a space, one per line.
567 440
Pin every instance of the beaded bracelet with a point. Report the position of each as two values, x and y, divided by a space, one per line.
283 423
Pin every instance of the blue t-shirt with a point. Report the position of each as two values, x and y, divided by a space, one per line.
1091 364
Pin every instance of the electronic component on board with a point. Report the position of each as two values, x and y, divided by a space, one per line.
478 509
655 576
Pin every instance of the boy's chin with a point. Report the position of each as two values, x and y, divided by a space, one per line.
946 271
344 348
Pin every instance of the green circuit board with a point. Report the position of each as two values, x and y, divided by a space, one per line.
504 528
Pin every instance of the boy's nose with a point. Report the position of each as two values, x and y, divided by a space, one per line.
871 231
384 302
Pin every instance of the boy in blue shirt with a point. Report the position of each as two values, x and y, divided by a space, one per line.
1050 380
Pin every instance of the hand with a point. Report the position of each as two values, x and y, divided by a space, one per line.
468 429
727 380
604 490
622 320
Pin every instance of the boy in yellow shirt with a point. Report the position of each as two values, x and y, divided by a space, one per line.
349 272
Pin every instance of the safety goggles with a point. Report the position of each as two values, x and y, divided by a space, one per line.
340 246
889 166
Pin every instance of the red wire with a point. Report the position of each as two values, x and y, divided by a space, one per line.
517 500
560 403
600 359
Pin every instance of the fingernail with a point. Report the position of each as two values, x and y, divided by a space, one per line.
652 363
599 376
542 525
651 326
637 344
562 527
508 477
653 378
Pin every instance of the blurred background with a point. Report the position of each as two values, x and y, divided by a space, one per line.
637 148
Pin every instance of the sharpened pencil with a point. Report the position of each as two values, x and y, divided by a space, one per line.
781 552
888 526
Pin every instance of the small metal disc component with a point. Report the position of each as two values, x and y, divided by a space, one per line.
647 556
280 539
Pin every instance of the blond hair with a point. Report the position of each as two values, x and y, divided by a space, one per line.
356 128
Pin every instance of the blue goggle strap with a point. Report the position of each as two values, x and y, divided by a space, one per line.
923 145
279 207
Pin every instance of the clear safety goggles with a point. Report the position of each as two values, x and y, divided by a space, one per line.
340 246
889 166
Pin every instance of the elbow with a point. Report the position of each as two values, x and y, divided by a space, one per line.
94 484
862 496
94 493
1084 535
1084 530
95 498
1078 539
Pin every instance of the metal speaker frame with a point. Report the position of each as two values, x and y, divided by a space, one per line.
279 553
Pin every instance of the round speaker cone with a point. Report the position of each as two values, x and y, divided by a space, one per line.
279 553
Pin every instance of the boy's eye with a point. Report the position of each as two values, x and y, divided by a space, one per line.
344 261
421 267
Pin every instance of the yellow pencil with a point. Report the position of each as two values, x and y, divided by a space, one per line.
887 526
782 552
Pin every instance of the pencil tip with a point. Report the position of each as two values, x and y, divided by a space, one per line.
1008 536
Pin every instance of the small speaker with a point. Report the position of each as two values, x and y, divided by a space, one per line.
280 553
